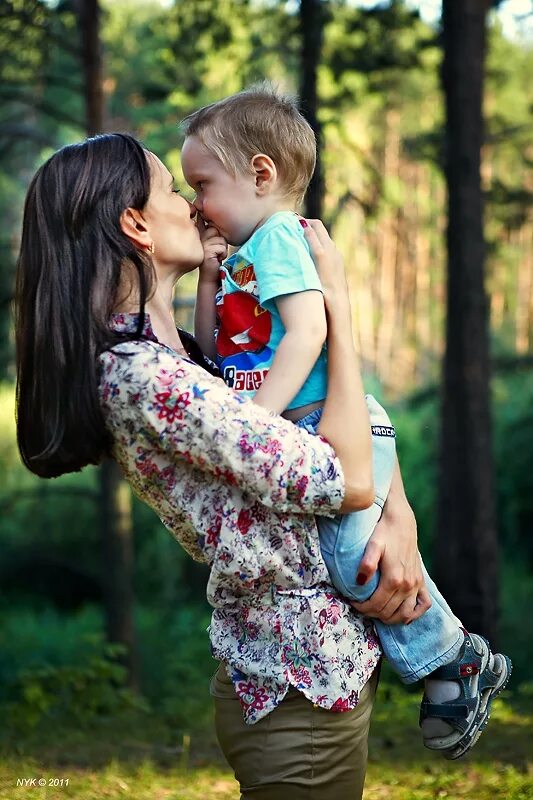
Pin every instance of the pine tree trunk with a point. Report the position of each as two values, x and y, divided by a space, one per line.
88 12
311 30
115 494
117 552
467 546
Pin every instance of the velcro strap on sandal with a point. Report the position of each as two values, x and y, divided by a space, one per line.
488 679
445 710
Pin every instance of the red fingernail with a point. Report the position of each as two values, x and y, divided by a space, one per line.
361 579
303 222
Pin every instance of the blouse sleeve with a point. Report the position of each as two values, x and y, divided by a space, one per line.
178 409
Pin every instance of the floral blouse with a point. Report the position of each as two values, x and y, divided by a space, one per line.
239 488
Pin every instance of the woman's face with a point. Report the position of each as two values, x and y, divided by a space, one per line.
171 222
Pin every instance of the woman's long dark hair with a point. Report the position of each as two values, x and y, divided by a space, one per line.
68 275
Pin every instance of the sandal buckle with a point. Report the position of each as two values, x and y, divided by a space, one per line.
468 669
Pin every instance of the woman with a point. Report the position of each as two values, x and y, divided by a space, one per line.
103 371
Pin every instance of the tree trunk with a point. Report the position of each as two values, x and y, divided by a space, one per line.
115 495
467 546
117 552
88 12
312 31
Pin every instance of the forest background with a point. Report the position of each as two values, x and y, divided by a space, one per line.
82 563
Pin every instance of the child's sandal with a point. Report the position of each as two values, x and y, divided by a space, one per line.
469 713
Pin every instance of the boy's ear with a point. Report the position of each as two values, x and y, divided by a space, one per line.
133 225
265 172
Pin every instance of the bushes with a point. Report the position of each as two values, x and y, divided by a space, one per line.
56 668
71 695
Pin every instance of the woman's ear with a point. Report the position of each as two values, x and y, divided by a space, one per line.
266 174
133 225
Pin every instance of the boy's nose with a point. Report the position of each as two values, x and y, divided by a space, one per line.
197 203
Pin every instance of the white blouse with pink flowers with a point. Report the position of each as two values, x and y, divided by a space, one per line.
239 488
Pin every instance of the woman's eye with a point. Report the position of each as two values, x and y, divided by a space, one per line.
176 191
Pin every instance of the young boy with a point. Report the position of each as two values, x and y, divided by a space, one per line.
249 159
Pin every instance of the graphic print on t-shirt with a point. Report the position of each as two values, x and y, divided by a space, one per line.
244 329
273 263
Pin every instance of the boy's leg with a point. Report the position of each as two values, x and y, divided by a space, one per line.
435 646
414 650
462 676
343 539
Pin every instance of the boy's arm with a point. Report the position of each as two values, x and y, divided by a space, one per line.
205 316
304 318
215 250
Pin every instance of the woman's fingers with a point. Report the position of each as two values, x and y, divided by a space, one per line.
400 583
320 231
319 239
328 260
391 609
370 562
399 598
423 603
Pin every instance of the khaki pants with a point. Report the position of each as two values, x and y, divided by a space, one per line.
298 751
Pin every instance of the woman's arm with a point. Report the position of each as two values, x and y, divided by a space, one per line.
401 595
345 422
177 412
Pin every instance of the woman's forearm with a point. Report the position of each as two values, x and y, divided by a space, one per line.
402 595
345 422
397 504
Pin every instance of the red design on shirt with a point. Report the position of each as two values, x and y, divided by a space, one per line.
242 318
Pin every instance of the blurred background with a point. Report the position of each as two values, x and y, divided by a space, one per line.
423 116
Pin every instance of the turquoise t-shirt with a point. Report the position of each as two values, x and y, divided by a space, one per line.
275 261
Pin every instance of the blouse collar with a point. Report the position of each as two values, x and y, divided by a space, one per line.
127 322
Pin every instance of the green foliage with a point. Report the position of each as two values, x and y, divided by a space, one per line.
513 396
177 665
36 639
58 667
73 694
417 443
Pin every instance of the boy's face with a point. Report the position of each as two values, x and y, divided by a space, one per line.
229 203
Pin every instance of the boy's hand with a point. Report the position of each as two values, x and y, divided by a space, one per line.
215 251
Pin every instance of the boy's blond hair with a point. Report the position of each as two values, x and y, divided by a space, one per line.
258 120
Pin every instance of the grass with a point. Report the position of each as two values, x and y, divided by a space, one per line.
142 760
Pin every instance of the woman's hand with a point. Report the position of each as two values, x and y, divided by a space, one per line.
329 264
401 596
215 251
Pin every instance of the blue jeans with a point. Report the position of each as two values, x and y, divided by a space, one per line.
414 650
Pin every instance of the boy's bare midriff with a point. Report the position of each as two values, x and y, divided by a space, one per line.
294 414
